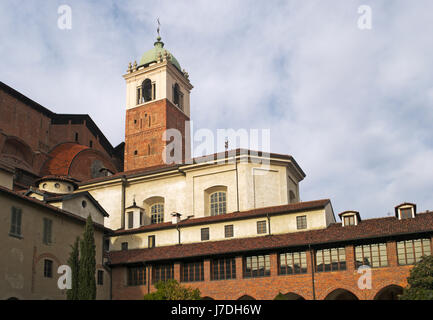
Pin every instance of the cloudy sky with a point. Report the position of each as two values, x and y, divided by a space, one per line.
354 107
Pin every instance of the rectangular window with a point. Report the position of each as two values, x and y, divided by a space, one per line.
228 231
411 251
106 244
48 268
136 276
162 272
100 277
349 221
406 213
301 222
124 245
223 269
130 220
330 259
47 231
15 222
293 262
90 143
138 95
141 218
204 234
151 241
373 255
192 271
257 266
261 227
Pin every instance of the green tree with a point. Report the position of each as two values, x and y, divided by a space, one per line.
172 290
420 281
280 296
87 269
74 262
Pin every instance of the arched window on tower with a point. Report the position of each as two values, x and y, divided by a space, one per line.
146 89
177 96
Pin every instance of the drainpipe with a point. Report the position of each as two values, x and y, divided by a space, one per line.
312 271
237 182
178 231
269 223
122 202
148 279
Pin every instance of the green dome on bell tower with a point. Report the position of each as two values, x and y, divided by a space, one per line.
154 54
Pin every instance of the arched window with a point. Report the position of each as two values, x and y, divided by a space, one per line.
157 213
176 94
146 88
218 203
292 197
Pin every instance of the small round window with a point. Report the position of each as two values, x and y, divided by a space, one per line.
57 185
84 204
44 186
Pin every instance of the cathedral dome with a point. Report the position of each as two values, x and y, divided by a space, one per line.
158 50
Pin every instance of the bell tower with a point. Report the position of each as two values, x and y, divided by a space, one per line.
157 99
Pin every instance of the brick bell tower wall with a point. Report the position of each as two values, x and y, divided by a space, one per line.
144 130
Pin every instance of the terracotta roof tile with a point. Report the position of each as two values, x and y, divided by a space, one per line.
371 228
197 160
293 207
50 207
61 159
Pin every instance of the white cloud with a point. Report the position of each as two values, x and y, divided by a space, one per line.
353 107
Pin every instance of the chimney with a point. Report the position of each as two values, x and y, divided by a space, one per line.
175 217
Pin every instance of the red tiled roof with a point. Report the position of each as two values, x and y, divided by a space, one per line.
293 207
371 228
197 160
6 167
50 207
61 159
148 170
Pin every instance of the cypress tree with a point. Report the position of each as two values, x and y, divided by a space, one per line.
87 282
73 262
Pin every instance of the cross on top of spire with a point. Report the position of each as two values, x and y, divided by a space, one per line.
158 29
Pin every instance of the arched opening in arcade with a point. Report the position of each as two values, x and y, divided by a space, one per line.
288 296
246 297
341 294
390 292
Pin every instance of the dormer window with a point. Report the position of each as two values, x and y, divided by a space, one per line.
405 211
350 218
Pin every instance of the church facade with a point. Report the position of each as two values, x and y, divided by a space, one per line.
231 224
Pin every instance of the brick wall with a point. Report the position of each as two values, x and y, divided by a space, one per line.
36 132
144 129
268 287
